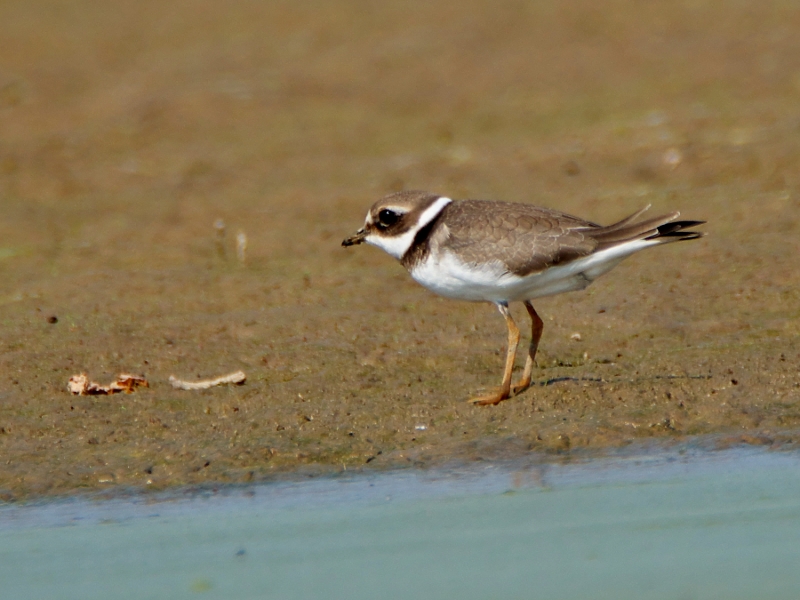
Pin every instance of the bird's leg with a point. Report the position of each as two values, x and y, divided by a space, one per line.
536 333
513 340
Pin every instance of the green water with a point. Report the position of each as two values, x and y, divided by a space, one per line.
672 525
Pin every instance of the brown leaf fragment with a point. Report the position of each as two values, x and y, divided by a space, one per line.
82 386
128 383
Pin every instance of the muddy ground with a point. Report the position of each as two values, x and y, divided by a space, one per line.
128 128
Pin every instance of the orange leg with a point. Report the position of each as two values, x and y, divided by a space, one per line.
513 340
536 334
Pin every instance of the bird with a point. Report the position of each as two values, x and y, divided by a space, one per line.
502 252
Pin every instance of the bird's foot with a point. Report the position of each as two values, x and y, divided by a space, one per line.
521 386
491 399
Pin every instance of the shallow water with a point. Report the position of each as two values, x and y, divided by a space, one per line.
683 523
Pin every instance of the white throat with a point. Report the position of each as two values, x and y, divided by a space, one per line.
398 245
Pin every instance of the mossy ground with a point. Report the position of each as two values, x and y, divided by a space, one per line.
129 128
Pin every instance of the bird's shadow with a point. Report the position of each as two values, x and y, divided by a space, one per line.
554 380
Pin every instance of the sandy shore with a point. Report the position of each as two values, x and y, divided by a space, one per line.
130 129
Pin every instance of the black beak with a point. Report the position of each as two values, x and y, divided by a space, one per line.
358 238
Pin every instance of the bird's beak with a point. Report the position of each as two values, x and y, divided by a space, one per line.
358 238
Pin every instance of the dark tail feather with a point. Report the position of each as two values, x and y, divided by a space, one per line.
677 231
625 230
663 226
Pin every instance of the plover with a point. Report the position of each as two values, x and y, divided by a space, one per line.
503 252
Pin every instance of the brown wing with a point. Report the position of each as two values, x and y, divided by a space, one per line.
525 238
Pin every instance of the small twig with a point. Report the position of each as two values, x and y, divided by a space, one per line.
219 227
179 384
241 247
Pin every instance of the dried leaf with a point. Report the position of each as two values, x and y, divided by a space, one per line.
82 386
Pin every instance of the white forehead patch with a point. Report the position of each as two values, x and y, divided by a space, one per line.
398 245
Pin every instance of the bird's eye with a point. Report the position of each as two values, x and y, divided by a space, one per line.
387 218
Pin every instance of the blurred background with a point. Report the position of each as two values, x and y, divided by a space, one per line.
127 129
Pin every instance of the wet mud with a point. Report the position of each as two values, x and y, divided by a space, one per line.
140 141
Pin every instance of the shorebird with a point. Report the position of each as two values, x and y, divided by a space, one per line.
501 252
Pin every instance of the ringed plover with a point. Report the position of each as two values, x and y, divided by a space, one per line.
503 252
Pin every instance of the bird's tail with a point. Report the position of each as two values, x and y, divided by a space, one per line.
663 229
